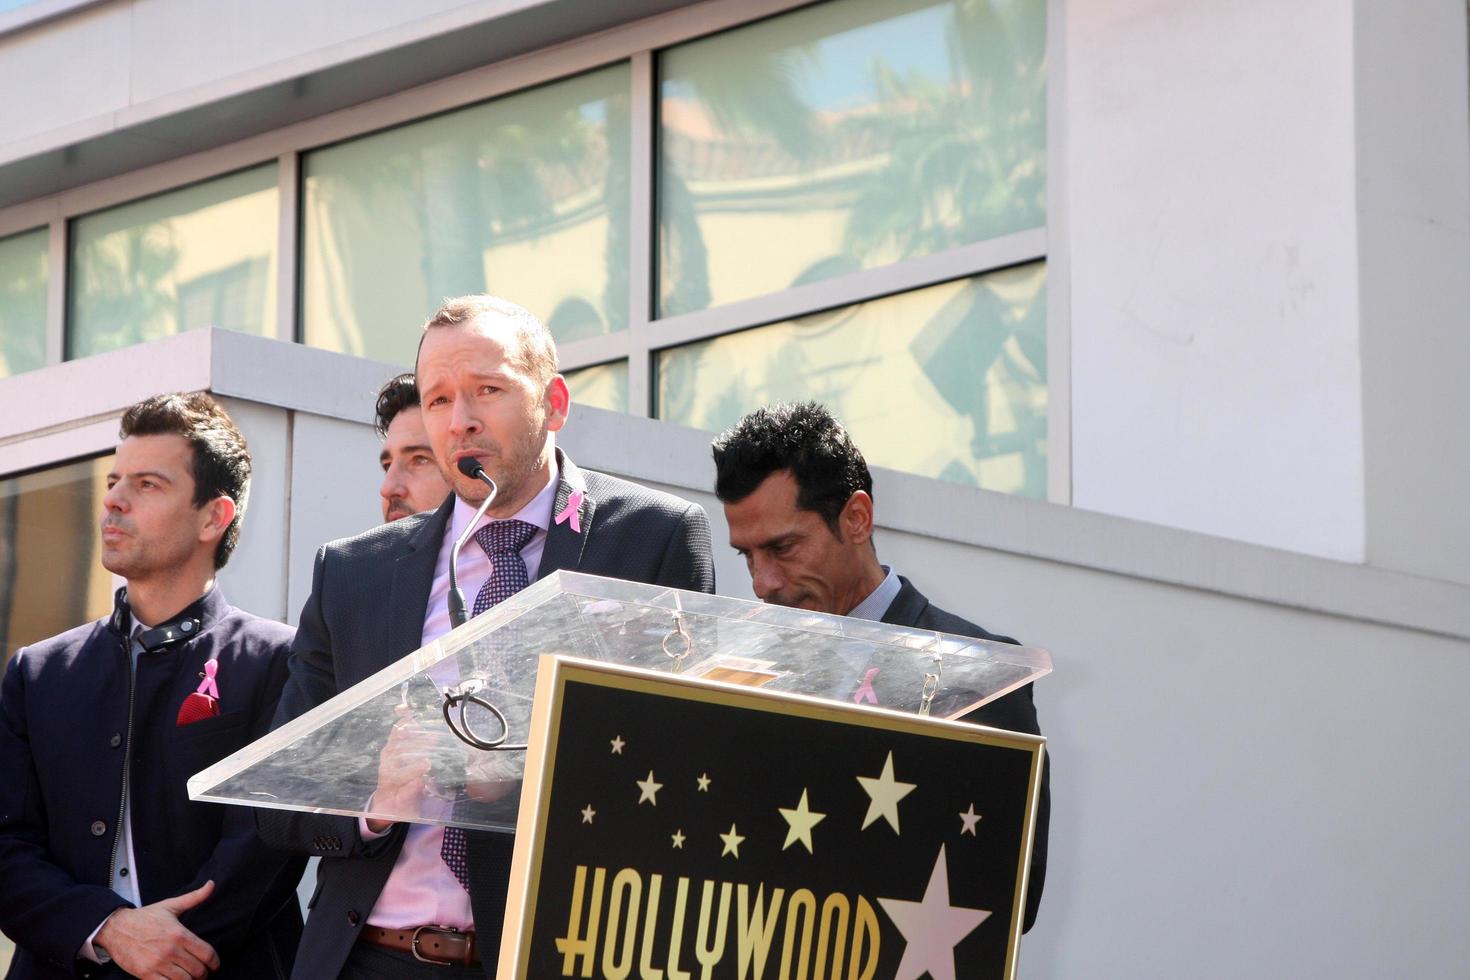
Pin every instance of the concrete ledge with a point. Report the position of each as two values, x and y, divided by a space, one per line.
68 410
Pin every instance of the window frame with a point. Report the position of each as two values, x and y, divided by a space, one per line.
638 44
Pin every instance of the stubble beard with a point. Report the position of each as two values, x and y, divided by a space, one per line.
510 473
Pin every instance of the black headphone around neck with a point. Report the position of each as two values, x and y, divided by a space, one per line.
177 630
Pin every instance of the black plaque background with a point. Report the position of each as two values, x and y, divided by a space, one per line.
759 761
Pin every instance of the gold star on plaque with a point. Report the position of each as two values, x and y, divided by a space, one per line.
732 843
884 792
647 789
678 837
617 745
588 814
969 818
703 782
801 821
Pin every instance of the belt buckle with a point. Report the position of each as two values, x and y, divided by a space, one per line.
414 945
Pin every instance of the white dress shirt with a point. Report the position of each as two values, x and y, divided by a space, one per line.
421 890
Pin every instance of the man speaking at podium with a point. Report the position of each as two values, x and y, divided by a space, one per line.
799 501
401 900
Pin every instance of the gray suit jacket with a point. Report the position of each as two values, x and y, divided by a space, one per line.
1016 712
366 610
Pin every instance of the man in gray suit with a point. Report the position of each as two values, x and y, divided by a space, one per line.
799 501
392 896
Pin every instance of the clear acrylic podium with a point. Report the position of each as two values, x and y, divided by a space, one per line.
471 691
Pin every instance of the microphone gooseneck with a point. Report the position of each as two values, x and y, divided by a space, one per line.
471 468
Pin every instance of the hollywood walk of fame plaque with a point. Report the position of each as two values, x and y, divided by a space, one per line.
670 826
463 703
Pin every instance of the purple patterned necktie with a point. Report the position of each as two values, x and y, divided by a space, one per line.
502 541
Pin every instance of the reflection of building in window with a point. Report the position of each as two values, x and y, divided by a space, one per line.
132 264
526 196
947 381
50 575
230 298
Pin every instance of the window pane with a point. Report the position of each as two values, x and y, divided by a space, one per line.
23 283
51 576
947 381
845 136
202 256
525 197
601 386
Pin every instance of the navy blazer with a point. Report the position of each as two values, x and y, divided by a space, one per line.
1015 712
368 598
64 737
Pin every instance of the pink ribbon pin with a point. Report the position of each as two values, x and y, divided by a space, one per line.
570 512
865 689
208 686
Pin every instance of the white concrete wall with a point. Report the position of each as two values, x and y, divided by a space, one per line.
139 54
1412 162
1210 198
1241 787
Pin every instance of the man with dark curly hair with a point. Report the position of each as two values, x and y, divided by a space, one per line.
799 501
412 480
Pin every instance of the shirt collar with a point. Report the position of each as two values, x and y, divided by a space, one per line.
876 604
537 512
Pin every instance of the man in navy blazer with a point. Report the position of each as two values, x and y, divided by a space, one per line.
400 900
106 867
799 501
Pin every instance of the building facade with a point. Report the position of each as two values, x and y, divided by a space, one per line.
1152 314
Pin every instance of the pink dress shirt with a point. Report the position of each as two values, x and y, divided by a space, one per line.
421 890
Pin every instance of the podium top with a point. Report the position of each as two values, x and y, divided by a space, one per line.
327 759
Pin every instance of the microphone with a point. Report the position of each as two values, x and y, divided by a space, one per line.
471 468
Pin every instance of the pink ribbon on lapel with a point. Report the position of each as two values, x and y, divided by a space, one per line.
571 511
865 689
208 686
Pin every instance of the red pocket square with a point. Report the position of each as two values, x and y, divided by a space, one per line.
197 707
203 703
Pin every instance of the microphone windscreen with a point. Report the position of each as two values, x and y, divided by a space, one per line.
470 467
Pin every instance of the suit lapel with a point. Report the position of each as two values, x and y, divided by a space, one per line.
413 577
564 547
907 606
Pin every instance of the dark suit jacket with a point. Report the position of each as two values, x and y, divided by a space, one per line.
64 736
368 598
1016 712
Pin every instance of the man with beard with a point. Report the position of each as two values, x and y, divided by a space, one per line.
399 900
106 867
412 481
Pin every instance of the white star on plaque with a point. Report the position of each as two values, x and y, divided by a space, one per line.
800 821
732 843
617 745
969 818
931 927
648 789
884 792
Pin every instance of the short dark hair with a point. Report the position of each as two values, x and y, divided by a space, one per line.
396 394
803 438
220 461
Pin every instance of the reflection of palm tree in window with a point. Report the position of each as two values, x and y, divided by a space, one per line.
965 159
446 193
123 288
23 312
